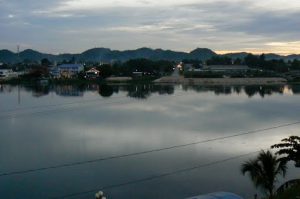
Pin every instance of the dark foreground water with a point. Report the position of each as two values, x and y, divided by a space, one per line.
45 126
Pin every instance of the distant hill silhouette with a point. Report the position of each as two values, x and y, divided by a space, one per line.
107 55
7 56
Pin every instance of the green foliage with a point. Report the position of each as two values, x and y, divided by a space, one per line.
105 70
238 61
204 74
264 171
278 65
36 73
292 192
219 60
289 149
295 64
45 62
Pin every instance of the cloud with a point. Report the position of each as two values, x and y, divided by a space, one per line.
233 25
11 16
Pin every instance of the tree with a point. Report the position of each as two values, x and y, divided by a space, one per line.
238 61
264 170
45 62
105 70
219 60
290 147
252 60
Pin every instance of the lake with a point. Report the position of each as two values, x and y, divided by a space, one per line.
45 126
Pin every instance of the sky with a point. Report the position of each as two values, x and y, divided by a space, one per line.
73 26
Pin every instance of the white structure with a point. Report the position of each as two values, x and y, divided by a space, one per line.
69 70
217 195
7 73
54 72
92 73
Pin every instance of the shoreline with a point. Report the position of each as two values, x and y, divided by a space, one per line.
223 81
166 80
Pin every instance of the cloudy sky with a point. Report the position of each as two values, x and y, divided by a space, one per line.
59 26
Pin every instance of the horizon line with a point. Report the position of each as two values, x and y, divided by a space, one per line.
218 52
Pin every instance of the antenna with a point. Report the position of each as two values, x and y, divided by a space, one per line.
18 51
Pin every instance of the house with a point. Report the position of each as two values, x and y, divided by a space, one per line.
7 73
193 67
70 70
93 73
54 72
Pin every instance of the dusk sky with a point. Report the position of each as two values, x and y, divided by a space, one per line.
58 26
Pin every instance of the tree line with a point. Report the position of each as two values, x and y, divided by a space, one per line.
257 61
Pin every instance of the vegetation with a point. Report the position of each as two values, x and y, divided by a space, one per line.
145 68
219 60
292 192
206 74
264 171
254 61
289 148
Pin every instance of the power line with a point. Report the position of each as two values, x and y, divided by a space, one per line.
154 177
143 152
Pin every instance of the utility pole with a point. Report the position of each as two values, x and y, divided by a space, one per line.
19 92
18 51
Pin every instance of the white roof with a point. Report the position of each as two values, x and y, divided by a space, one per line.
70 66
217 195
227 67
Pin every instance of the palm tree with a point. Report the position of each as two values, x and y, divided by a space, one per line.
290 147
264 170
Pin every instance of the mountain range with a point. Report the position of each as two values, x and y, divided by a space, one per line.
108 55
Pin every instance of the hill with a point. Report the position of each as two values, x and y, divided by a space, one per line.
108 55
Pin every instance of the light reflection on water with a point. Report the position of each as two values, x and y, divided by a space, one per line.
42 126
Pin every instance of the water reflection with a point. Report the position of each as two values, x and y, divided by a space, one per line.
94 129
144 91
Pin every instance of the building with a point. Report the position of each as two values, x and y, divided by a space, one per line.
7 73
54 72
226 68
70 70
193 67
93 73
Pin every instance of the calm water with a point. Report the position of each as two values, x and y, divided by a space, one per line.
46 126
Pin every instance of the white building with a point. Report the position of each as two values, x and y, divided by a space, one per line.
93 73
7 73
70 70
226 68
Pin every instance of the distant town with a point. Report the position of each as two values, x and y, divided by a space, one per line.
144 64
